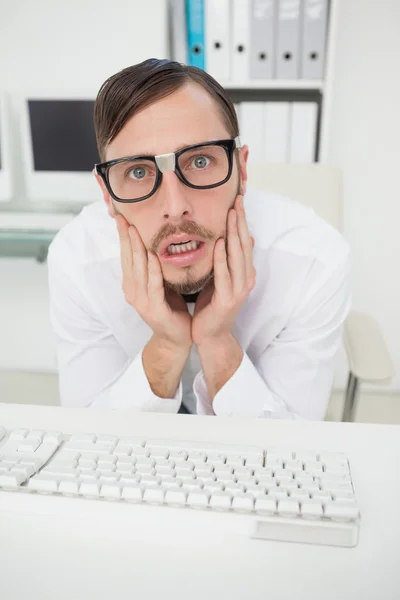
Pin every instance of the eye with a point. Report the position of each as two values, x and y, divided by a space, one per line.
200 162
137 173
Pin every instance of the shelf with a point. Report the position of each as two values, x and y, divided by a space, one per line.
275 84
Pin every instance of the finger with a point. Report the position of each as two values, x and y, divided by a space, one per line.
140 270
155 285
246 241
126 250
222 278
236 261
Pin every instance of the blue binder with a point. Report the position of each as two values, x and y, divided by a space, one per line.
195 31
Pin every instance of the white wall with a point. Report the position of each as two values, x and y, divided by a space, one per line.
54 45
69 47
365 142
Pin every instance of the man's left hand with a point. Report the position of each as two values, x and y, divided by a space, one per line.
234 277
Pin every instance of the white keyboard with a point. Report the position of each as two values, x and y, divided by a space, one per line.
285 494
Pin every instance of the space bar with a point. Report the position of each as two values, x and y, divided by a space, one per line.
207 446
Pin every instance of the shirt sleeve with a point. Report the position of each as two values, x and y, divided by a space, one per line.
94 370
293 377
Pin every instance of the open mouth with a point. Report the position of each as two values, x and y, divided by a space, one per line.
188 246
185 254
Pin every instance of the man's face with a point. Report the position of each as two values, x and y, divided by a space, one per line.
187 117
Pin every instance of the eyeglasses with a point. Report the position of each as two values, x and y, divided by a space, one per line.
202 167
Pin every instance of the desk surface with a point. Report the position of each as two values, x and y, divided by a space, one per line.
50 556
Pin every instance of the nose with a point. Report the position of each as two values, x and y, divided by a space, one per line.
173 195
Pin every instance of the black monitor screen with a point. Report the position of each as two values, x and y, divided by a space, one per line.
63 137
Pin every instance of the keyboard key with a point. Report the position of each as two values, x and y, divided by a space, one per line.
176 496
221 500
300 495
110 491
35 434
234 488
132 492
54 436
197 457
311 510
28 445
294 465
256 491
123 450
171 482
89 489
236 460
25 470
213 486
274 462
154 495
43 483
18 434
341 512
288 508
70 486
158 452
243 502
198 498
8 479
265 506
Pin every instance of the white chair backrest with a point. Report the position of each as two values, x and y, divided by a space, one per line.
315 185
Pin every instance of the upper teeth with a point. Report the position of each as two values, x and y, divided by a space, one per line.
183 247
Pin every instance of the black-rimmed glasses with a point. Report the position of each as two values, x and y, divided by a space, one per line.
202 166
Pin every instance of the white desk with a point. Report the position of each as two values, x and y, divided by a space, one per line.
49 555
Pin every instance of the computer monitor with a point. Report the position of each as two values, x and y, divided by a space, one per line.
59 149
5 151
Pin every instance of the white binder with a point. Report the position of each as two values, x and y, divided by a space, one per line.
178 32
315 19
240 40
262 38
288 40
276 131
303 132
252 129
217 38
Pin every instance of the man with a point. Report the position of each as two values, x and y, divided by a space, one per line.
183 284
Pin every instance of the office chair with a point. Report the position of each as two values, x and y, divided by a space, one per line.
320 186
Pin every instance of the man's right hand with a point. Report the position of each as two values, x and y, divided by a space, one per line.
143 288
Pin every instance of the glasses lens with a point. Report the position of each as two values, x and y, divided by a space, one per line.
204 166
132 179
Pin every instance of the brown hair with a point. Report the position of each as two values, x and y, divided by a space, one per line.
136 87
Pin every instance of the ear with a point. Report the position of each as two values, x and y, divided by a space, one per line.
243 158
106 195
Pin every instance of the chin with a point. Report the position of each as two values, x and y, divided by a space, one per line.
188 282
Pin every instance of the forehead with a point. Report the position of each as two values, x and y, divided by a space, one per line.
188 116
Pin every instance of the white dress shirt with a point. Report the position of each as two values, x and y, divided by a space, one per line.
289 327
